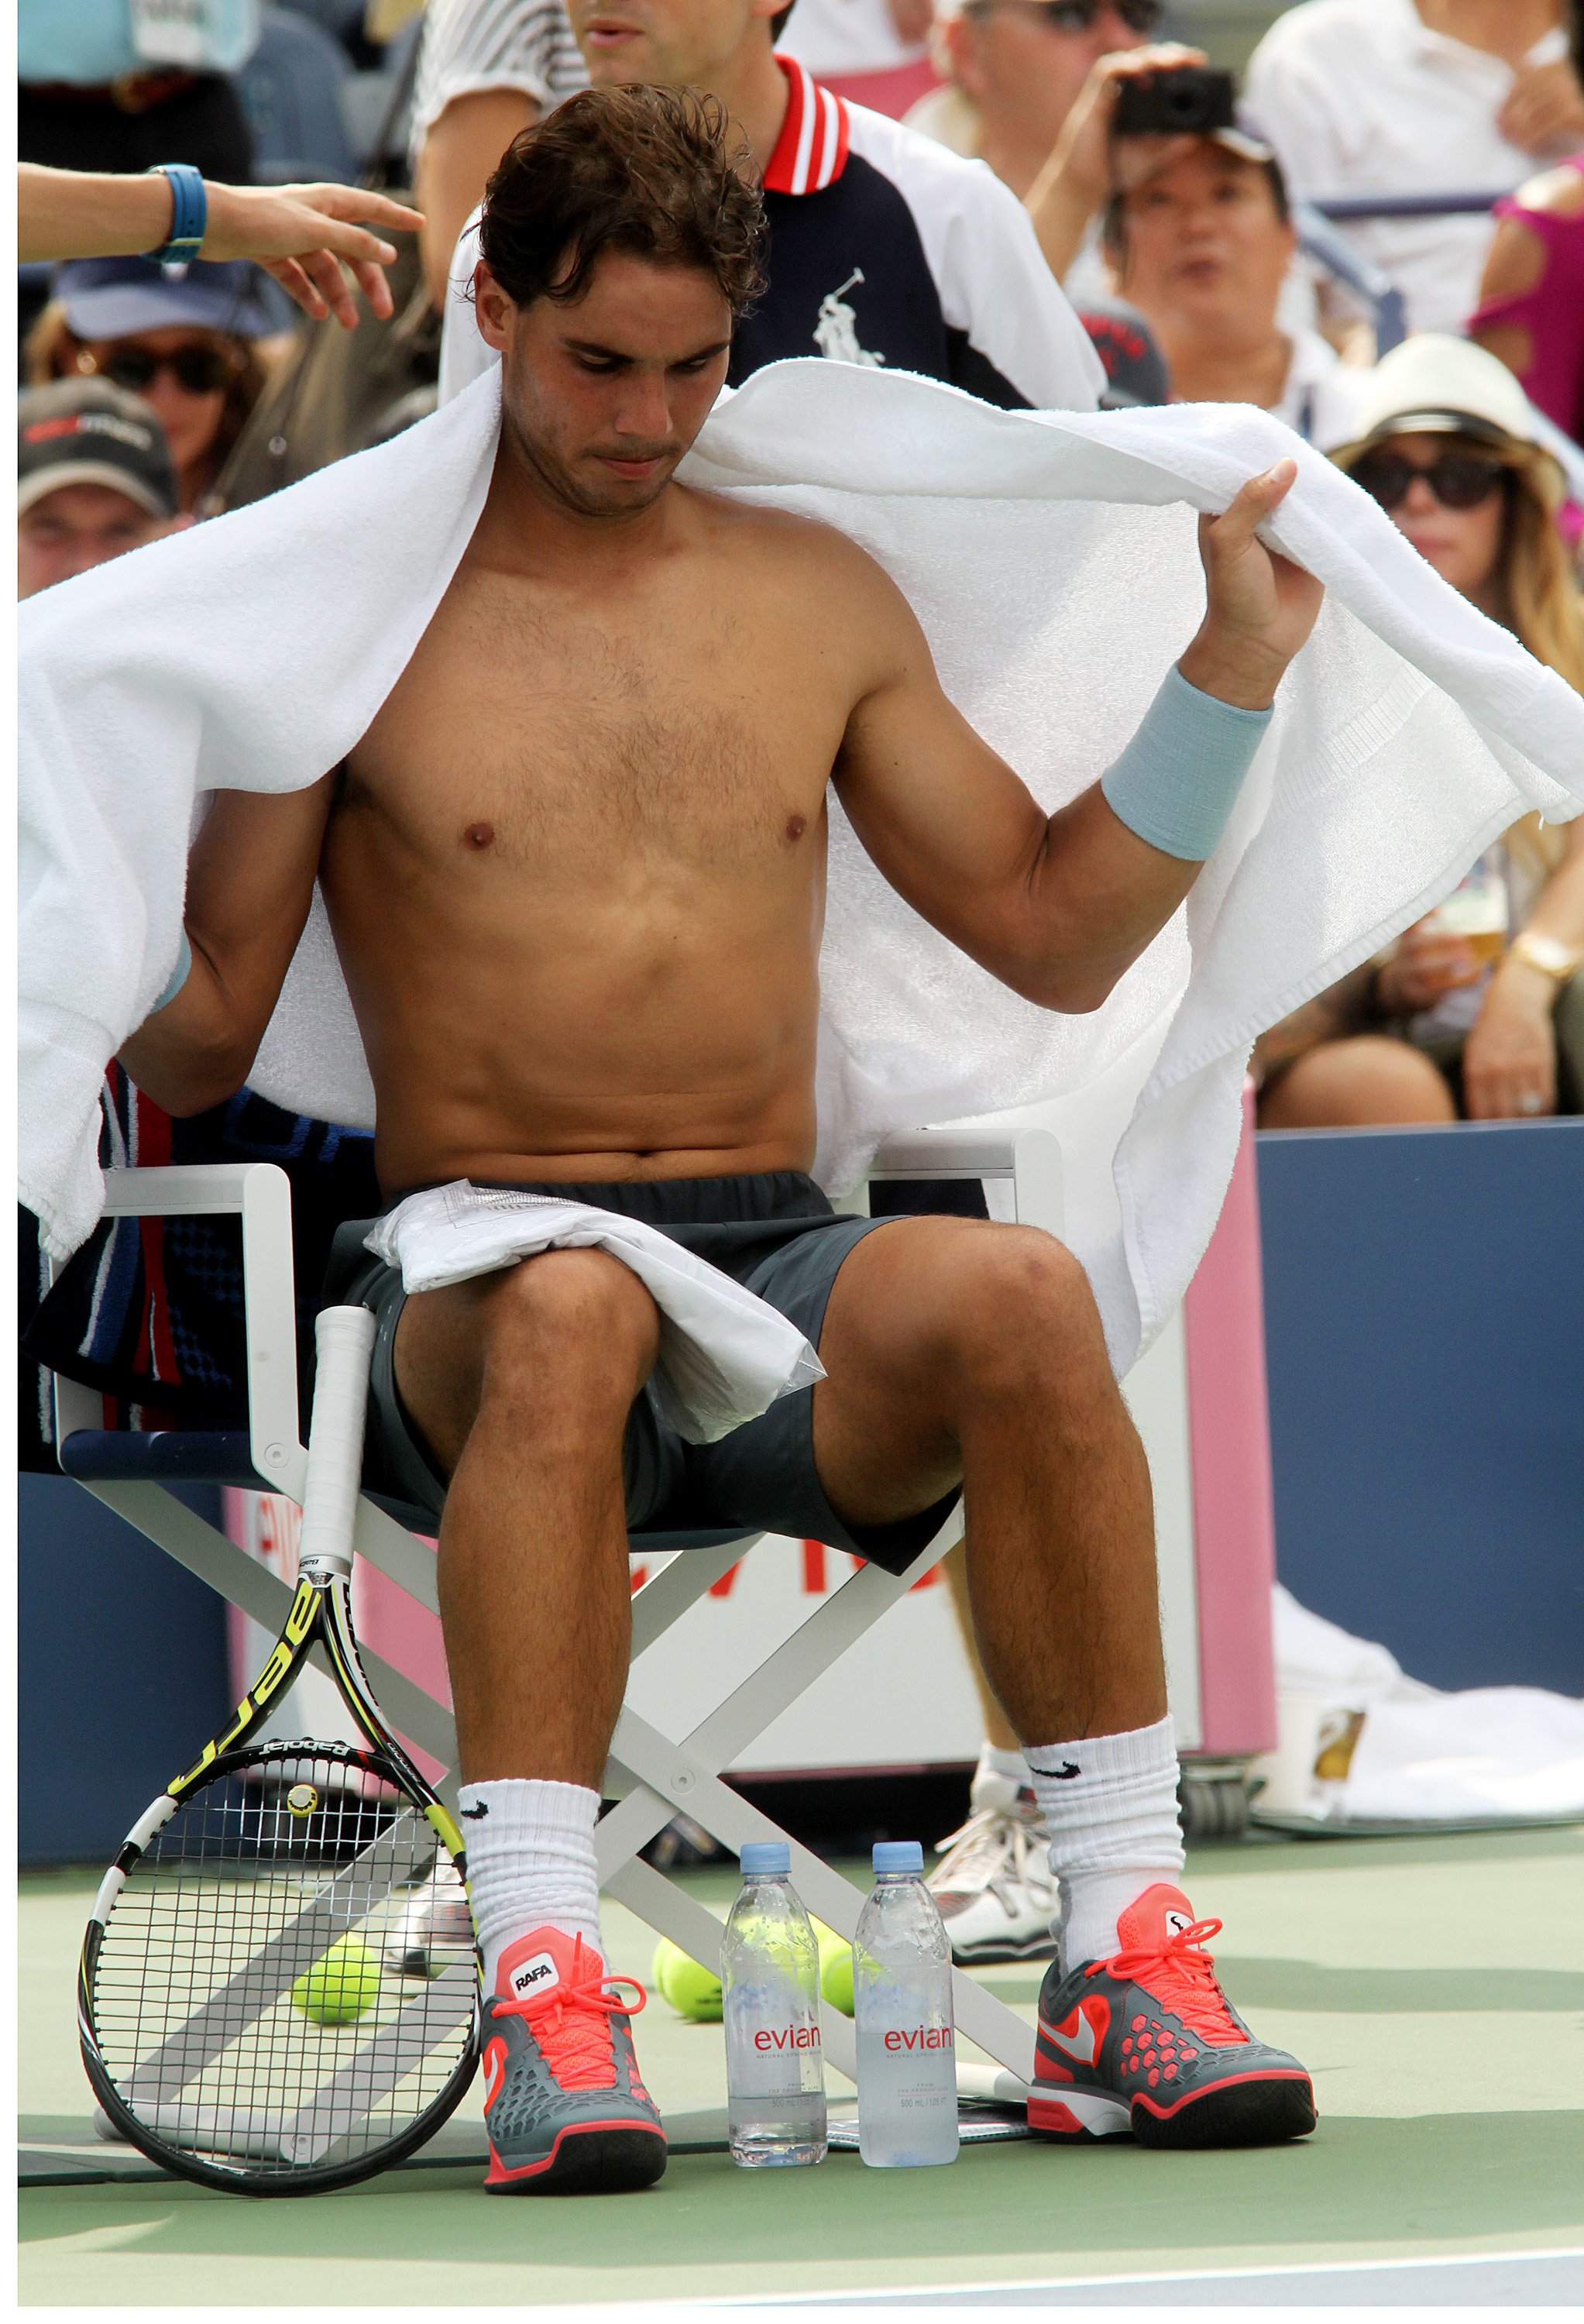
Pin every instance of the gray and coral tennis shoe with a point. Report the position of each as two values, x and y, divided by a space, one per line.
1146 2044
564 2106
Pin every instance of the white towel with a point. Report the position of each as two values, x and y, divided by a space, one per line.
1420 1755
1051 558
725 1355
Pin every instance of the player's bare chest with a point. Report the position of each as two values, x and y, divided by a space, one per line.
563 737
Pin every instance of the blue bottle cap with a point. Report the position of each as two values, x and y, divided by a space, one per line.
897 1856
764 1858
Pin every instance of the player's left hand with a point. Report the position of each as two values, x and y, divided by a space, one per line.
1260 606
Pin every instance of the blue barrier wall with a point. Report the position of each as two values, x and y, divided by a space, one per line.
122 1672
1424 1325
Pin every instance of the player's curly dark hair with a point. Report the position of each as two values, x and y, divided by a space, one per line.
657 172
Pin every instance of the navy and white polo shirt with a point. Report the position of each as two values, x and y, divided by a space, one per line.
884 248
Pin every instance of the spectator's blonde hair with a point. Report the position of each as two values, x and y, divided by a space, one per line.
51 347
1544 610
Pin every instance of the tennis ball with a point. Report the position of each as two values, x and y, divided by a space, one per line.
835 1968
340 1987
693 1991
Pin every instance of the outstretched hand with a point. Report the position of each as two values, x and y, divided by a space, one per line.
1260 606
310 237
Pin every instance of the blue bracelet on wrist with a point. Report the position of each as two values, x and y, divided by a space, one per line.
190 214
178 977
1178 779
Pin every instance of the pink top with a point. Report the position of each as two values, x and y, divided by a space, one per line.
1551 312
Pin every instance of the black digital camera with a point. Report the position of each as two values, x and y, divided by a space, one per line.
1189 100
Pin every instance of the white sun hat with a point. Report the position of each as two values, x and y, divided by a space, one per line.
1435 383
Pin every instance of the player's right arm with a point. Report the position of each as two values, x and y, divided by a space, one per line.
250 883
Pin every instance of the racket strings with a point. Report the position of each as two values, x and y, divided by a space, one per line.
249 1999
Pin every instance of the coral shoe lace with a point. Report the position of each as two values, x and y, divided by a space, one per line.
571 2023
1180 1974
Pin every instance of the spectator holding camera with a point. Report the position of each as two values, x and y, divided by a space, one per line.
1014 70
1479 1008
1201 242
1418 97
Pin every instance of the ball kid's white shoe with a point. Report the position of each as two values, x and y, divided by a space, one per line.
994 1885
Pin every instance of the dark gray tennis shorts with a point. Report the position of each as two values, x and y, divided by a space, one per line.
773 1230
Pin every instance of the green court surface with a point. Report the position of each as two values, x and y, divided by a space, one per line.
1436 1988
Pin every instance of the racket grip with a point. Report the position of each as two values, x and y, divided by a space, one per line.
344 1337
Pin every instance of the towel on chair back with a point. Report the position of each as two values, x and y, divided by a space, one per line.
1052 560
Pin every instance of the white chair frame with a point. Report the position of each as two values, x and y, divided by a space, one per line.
651 1777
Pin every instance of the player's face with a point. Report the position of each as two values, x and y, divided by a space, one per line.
604 396
673 43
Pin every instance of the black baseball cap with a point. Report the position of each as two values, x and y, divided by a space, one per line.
1134 367
86 432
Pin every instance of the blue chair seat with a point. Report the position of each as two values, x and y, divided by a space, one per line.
162 1456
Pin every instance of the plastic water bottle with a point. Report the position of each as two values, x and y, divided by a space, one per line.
902 2004
769 2002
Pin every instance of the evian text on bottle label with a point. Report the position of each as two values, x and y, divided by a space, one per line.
788 2037
919 2037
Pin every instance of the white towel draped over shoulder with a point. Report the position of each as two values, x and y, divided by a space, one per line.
1052 560
725 1355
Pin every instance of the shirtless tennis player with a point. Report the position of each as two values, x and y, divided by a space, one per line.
574 869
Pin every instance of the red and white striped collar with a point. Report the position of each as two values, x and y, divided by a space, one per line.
811 151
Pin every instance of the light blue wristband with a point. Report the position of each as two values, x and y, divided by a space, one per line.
190 213
1178 779
179 976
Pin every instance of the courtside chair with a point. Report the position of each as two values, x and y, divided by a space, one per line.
651 1777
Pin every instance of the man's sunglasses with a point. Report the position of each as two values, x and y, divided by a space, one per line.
1460 480
201 370
1079 15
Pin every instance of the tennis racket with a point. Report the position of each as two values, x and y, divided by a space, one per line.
242 2010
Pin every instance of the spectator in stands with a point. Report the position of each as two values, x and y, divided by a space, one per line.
297 234
1201 244
1531 312
485 71
122 87
1031 84
1013 71
1417 96
93 478
884 248
188 347
1445 443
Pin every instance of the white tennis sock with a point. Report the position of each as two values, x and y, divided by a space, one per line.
998 1778
531 1862
1109 1805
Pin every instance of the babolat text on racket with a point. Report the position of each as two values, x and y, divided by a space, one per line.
249 2015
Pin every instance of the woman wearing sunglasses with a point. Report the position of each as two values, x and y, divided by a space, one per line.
188 345
1478 1009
